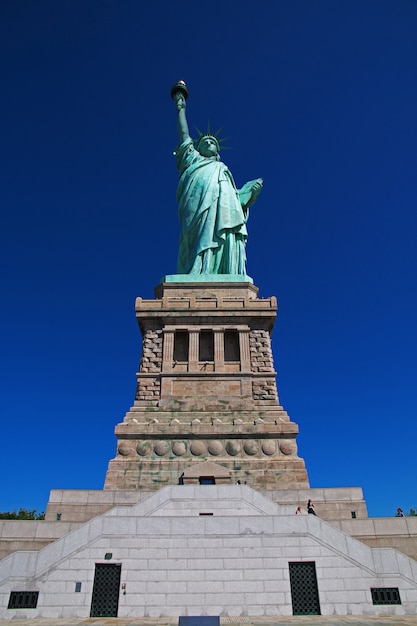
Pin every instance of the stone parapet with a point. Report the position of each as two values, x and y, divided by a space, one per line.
333 505
219 300
18 535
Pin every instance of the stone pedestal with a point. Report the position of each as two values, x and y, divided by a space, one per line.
206 392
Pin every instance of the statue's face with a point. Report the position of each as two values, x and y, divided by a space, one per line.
208 147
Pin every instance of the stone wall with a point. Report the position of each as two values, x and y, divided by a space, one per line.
260 351
148 389
264 390
151 360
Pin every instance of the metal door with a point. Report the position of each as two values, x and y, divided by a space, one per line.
304 590
105 600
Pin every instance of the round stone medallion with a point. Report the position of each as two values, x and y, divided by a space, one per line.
124 449
287 446
215 447
179 448
198 448
269 447
250 447
233 448
161 448
143 448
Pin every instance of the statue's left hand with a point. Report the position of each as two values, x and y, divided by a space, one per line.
257 187
249 192
256 190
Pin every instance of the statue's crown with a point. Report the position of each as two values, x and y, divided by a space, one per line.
214 136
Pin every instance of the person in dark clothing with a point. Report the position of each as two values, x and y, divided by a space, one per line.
310 508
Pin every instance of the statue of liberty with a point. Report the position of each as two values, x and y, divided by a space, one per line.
212 211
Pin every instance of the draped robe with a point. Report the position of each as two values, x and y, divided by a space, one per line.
212 220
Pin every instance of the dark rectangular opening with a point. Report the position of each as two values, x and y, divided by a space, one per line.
231 345
199 620
206 346
23 600
181 345
385 595
207 480
304 590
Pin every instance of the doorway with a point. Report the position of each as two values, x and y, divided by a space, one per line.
105 599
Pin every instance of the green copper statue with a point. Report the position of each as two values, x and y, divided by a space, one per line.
212 211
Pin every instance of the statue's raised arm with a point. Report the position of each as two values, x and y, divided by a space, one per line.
212 211
179 95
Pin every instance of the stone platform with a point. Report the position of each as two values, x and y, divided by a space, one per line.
209 550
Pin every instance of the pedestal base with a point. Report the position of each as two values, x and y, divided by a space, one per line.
206 392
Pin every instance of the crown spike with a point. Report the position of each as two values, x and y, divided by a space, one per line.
198 130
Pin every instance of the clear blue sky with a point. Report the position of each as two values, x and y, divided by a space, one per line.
319 97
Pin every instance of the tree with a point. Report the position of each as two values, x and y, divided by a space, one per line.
23 514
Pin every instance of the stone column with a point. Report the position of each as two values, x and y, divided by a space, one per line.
218 350
168 351
193 351
244 350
